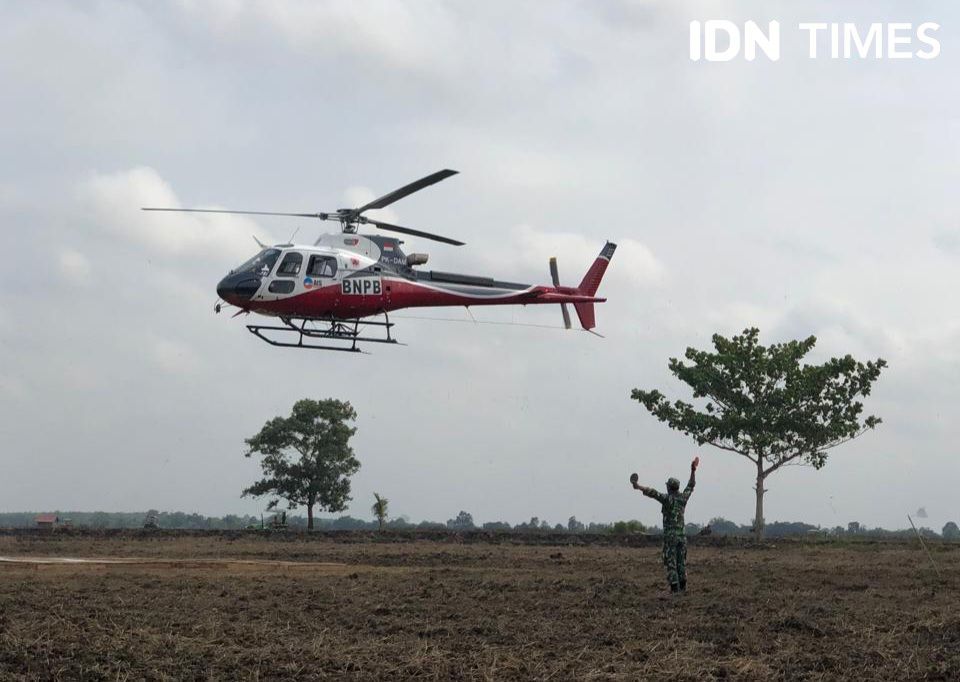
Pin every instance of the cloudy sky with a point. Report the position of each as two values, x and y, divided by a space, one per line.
801 196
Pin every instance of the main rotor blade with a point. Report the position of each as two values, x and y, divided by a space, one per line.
321 216
415 233
398 194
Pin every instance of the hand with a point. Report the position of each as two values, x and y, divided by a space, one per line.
695 464
633 480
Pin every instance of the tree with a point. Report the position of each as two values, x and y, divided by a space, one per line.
400 523
533 524
430 525
464 521
763 404
379 509
574 526
951 531
780 529
497 525
627 527
721 526
307 458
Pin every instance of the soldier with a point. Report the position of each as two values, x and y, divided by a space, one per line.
674 540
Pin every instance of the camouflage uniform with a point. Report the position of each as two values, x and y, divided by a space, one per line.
674 540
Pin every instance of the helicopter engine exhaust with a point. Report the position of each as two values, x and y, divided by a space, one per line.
417 259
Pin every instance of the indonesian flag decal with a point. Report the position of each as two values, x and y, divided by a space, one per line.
388 246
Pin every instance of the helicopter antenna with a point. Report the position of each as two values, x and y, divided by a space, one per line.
259 243
350 219
294 234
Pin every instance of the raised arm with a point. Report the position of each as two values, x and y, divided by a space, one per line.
649 492
693 478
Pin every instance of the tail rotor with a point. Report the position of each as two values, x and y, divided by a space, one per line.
554 273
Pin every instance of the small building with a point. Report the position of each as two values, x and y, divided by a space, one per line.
47 521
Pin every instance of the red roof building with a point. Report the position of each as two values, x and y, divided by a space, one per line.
46 520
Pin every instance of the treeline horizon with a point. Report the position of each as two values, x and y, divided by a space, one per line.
463 521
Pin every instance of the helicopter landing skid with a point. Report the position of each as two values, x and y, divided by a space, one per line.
347 333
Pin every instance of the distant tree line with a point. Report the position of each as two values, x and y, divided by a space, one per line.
854 529
462 521
132 520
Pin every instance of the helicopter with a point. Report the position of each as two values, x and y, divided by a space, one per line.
331 294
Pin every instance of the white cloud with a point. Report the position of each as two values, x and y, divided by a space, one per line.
9 194
173 356
74 267
634 265
428 38
115 200
357 196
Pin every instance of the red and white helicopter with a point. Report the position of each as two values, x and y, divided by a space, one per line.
324 294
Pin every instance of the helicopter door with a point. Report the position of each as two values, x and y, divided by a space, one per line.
285 277
320 271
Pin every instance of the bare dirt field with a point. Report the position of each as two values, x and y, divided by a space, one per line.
253 606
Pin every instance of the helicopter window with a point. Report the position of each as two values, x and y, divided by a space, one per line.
262 263
322 266
290 265
281 286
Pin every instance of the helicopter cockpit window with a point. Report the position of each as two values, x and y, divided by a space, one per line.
322 266
290 265
261 264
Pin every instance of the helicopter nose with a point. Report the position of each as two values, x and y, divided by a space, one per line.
238 288
224 290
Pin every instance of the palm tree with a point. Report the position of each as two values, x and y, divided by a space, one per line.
379 509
